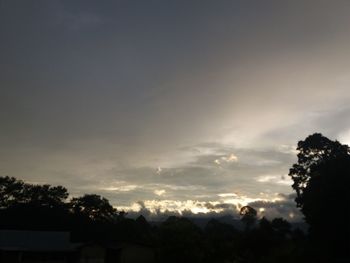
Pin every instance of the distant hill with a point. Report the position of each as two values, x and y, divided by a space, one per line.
230 220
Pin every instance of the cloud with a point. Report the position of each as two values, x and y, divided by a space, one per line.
275 179
160 192
283 206
227 195
159 170
228 159
123 183
121 188
212 103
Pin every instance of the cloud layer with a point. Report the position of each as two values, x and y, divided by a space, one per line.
191 101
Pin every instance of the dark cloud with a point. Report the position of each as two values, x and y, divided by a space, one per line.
220 206
165 100
284 207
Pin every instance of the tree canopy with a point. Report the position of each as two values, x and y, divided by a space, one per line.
312 152
16 192
248 215
321 180
94 207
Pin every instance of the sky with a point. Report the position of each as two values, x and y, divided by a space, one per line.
181 106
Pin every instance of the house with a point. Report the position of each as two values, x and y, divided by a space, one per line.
17 246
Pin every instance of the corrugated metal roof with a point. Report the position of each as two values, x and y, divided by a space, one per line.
18 240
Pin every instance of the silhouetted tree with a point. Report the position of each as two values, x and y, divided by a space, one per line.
313 151
222 241
180 241
144 229
16 192
45 195
31 206
248 216
11 191
321 179
281 226
94 207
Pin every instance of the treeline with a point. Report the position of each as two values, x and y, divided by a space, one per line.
46 207
91 218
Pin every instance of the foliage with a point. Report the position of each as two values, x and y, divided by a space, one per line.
321 180
11 191
314 151
181 241
249 215
94 207
15 192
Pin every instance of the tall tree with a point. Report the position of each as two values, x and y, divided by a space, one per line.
95 207
11 191
312 152
321 180
181 241
45 195
248 216
15 192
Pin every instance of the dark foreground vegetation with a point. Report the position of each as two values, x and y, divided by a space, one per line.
321 181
